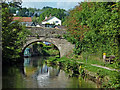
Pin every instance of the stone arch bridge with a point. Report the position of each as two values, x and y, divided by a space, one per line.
52 35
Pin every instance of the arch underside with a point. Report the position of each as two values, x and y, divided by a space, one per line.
63 45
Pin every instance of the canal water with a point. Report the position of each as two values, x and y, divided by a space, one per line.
36 74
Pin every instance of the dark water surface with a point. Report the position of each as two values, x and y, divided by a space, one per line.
36 74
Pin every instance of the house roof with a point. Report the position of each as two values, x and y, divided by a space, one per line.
49 18
23 19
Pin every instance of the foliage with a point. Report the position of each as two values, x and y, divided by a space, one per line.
47 7
59 13
43 49
13 34
115 82
13 10
24 12
95 27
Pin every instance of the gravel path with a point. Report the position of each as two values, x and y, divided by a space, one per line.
102 67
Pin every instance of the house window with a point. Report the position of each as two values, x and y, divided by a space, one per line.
56 21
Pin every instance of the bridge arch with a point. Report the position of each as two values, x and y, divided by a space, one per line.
63 45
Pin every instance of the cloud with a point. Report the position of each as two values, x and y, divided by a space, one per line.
40 5
66 5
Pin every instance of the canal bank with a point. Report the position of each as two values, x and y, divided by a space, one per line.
100 75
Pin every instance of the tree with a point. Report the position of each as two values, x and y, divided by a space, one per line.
24 12
35 20
47 7
13 35
95 28
59 13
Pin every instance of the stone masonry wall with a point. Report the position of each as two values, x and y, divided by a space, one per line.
54 36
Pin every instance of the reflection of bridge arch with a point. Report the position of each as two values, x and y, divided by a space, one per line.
63 45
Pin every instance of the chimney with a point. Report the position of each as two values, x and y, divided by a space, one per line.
45 17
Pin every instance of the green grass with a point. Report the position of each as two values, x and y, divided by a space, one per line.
93 58
90 61
103 71
86 66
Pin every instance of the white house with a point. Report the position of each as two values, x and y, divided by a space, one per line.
52 20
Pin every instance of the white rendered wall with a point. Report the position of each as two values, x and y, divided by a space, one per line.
53 20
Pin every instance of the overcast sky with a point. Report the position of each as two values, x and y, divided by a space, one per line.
63 4
51 0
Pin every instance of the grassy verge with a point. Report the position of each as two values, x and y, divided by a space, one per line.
72 62
74 68
93 59
99 71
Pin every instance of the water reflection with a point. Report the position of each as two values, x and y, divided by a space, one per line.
49 77
37 69
37 66
36 74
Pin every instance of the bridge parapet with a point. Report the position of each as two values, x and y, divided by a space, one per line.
47 32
